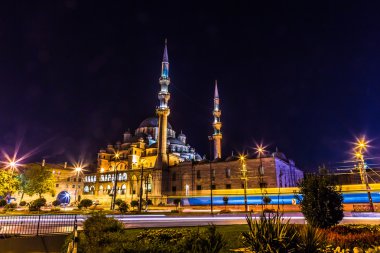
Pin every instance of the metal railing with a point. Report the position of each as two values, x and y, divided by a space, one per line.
34 225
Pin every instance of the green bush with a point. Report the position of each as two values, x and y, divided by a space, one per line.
134 203
207 241
36 204
101 234
350 236
203 240
23 203
320 200
266 200
270 233
85 203
123 207
311 239
56 202
10 206
3 202
118 201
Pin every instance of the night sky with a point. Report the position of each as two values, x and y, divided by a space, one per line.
75 75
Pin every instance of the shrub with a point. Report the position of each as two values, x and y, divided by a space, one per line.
208 241
10 206
204 240
320 200
118 201
3 202
36 204
266 200
270 233
134 203
56 202
311 239
225 202
176 202
123 207
85 203
23 203
350 236
100 234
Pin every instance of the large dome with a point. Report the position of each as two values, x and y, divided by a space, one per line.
152 122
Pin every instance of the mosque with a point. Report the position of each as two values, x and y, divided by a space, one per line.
157 163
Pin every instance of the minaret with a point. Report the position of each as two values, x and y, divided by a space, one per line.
163 112
217 124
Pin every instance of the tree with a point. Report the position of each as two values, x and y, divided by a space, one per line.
225 202
39 180
85 203
176 203
36 204
320 199
9 183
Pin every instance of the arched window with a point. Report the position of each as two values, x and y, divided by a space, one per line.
228 173
133 184
149 183
86 189
123 188
174 176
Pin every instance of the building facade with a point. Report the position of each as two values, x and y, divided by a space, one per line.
156 163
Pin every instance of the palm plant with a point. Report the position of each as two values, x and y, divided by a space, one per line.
270 234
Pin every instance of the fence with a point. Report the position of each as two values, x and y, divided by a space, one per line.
34 225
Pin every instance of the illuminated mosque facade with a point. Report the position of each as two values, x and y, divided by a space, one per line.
157 163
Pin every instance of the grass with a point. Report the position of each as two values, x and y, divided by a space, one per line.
231 233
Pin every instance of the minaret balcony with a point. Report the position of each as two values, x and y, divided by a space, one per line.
217 113
217 125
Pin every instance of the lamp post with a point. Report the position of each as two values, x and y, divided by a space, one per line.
141 185
77 170
361 147
211 174
245 178
116 158
260 151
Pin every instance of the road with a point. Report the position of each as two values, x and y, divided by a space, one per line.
48 224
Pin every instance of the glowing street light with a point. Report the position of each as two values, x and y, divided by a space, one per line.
361 147
78 170
11 164
260 150
242 159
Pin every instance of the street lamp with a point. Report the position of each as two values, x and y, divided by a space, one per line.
260 150
211 174
141 184
78 170
360 149
117 163
245 178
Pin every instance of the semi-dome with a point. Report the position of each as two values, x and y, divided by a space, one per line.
175 141
152 122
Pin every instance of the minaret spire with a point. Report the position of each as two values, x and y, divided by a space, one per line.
165 62
163 112
217 125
